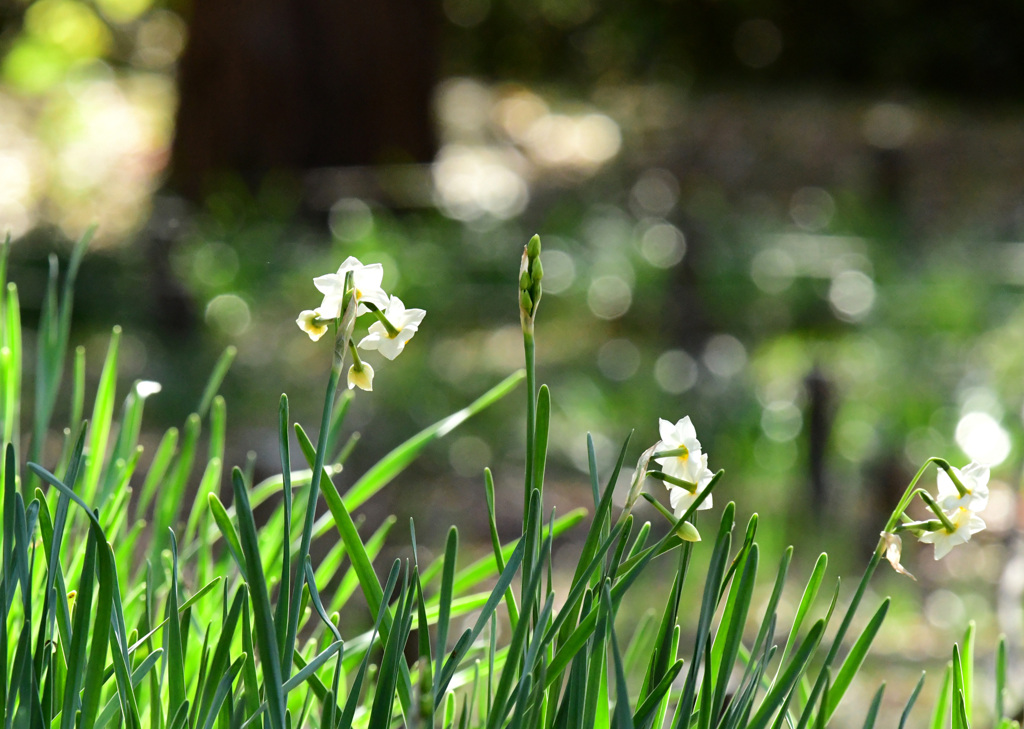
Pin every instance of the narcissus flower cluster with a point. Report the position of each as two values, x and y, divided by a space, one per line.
962 493
395 325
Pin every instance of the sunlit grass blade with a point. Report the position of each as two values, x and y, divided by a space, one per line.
92 688
112 707
733 622
222 691
942 701
355 692
789 677
158 468
220 370
451 551
967 661
285 638
911 701
851 665
389 675
806 600
398 459
10 367
266 640
102 417
1000 683
540 444
172 488
220 656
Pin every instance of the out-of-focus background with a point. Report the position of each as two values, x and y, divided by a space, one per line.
802 225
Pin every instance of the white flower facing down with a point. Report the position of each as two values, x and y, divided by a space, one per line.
405 321
974 478
360 376
313 324
965 523
366 282
681 499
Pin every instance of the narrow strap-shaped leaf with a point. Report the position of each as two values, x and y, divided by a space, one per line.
223 688
398 459
942 701
644 715
227 530
219 660
806 600
355 693
540 444
80 622
876 703
790 675
285 639
855 658
967 660
112 707
265 637
175 663
102 414
217 374
733 622
92 689
1000 708
451 551
911 701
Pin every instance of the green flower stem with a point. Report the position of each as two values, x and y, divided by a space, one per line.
674 453
937 510
876 557
356 361
341 344
392 331
662 476
944 465
531 413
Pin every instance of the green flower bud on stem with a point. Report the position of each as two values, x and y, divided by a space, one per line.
525 281
536 271
533 247
525 302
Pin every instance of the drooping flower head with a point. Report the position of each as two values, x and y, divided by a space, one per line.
313 324
404 324
974 479
965 523
360 375
366 282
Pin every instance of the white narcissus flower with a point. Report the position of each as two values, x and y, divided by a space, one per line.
360 376
313 324
366 282
681 499
687 466
405 321
974 478
965 523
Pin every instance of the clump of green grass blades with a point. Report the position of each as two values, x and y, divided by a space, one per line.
137 609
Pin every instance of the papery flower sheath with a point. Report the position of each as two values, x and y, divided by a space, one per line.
405 322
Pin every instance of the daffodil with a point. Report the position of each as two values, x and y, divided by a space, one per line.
681 499
964 523
685 462
366 287
360 375
396 327
313 324
973 479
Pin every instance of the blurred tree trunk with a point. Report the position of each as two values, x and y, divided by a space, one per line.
297 84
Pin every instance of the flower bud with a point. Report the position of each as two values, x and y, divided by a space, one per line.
525 302
525 281
533 247
537 271
688 532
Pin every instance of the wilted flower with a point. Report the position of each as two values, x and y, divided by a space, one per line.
360 375
313 324
964 522
366 282
973 478
390 341
893 549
